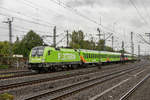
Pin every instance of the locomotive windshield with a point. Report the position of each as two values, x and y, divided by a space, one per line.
37 51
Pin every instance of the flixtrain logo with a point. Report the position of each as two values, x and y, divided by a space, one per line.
66 56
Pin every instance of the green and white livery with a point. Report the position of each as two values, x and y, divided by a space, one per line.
45 58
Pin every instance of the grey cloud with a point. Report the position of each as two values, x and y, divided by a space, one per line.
78 3
137 23
122 4
1 2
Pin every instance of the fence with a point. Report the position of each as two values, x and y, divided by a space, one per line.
14 61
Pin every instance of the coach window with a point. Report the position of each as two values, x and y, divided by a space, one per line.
49 52
103 56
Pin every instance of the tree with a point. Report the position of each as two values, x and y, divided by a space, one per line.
4 48
27 43
100 45
109 49
77 39
16 46
79 42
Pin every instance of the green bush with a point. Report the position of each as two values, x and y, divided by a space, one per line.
6 96
4 66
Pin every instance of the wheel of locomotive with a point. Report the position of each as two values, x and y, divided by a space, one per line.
45 69
58 68
53 69
38 70
49 69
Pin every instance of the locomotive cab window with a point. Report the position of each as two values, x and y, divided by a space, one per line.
33 52
49 52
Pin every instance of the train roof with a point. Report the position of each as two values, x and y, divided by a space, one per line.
66 49
95 51
83 50
61 49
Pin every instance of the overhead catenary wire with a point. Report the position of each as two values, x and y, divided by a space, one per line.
145 9
62 4
37 6
76 12
67 8
26 20
19 27
138 12
17 30
22 29
142 38
19 13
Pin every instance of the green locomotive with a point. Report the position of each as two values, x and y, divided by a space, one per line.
45 58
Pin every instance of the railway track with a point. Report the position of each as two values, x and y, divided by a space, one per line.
61 76
132 90
65 91
8 75
16 85
3 73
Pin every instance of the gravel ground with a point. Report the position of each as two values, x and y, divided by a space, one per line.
86 94
34 89
13 70
142 93
116 93
77 87
43 76
54 84
48 75
40 76
68 81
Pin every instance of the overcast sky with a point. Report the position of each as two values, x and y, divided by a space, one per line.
121 16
